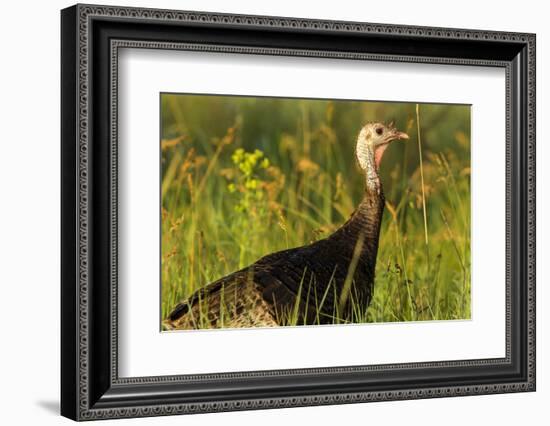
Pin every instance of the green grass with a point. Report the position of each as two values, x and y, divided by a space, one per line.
224 204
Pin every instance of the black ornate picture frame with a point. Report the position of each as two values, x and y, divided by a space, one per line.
91 387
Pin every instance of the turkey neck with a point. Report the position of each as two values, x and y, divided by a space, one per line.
367 217
365 221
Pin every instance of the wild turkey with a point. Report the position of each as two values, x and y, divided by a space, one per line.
306 283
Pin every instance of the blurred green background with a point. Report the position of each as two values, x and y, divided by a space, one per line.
246 176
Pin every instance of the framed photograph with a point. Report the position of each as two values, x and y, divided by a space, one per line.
263 212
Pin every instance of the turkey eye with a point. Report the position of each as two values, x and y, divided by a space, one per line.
380 130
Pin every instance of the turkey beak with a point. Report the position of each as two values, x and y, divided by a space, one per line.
397 135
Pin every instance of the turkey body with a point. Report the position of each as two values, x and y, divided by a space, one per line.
329 281
312 284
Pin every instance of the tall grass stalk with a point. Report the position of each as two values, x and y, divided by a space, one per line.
422 185
351 271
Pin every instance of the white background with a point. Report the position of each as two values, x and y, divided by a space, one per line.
29 213
140 343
